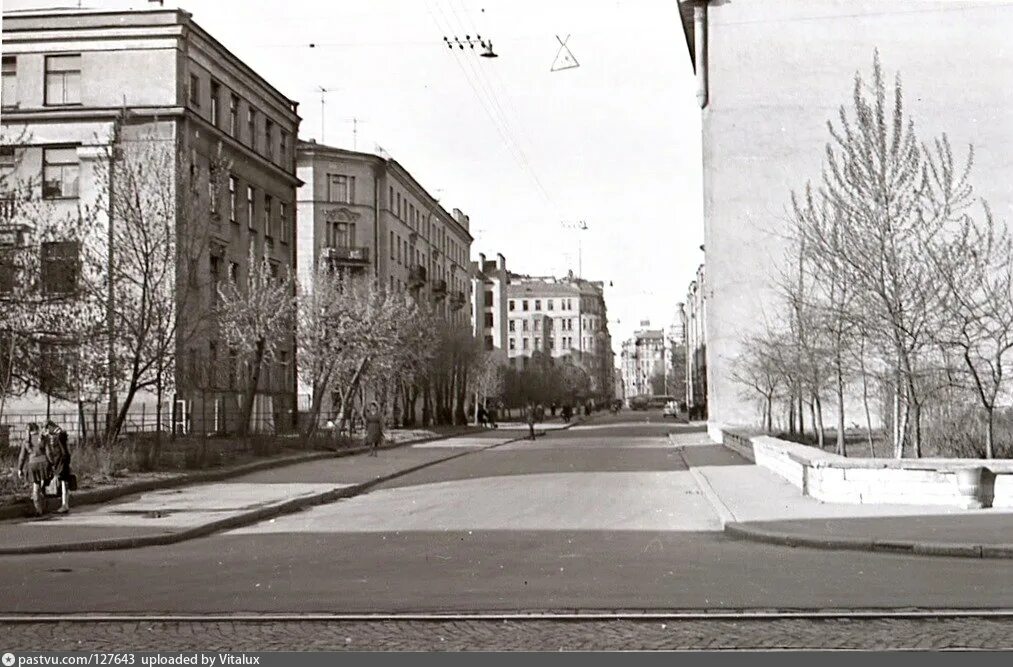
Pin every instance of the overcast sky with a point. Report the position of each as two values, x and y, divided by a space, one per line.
614 142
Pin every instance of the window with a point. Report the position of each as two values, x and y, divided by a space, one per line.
511 325
234 273
524 304
399 250
283 148
250 213
489 344
60 267
56 369
269 138
513 344
283 221
8 270
9 92
233 185
488 297
59 173
213 192
233 115
216 277
488 319
538 325
344 235
63 80
392 245
251 127
549 303
510 306
268 205
399 205
391 202
194 91
524 344
340 188
538 304
551 344
524 325
216 91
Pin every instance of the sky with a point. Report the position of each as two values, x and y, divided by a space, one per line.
526 152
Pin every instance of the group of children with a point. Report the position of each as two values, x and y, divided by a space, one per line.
44 462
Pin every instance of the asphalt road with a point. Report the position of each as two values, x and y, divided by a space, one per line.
600 517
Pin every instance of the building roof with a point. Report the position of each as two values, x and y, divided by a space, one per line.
310 147
84 19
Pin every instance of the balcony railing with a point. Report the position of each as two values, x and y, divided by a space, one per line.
349 256
440 288
457 301
8 209
416 276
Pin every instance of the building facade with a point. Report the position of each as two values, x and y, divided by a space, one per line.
80 86
645 362
365 214
770 75
489 283
564 317
693 314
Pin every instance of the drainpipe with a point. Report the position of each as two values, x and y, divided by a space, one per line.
376 223
700 46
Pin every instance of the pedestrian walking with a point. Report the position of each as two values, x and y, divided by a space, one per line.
531 421
483 416
567 413
374 428
59 444
35 465
493 414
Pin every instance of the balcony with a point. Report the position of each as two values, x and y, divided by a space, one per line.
458 300
439 289
416 276
346 256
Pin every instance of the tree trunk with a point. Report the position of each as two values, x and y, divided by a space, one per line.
865 401
346 396
319 391
990 433
801 415
840 413
817 407
251 391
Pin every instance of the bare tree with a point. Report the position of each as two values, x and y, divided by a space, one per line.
976 270
255 319
161 210
890 194
757 370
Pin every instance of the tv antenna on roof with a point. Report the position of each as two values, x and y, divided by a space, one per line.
564 57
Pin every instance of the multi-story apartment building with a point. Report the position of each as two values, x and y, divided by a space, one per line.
564 317
770 75
694 324
645 356
76 82
490 280
365 213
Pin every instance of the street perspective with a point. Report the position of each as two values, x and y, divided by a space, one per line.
504 325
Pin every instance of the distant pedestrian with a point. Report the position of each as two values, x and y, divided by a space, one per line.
567 413
483 416
493 414
35 465
374 428
553 408
531 420
60 448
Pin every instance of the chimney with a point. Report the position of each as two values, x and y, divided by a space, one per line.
500 261
481 262
461 218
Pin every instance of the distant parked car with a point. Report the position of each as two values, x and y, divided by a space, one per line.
671 409
659 402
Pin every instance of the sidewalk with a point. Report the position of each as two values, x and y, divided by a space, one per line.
166 516
755 503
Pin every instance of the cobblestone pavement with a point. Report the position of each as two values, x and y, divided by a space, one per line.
510 635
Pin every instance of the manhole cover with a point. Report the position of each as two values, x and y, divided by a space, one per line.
60 570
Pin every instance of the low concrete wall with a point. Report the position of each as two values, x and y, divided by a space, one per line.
966 483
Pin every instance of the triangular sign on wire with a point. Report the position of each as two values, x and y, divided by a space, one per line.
564 57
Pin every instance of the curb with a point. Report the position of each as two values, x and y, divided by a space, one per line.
246 518
951 550
98 496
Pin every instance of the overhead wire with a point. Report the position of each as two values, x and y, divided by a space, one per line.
489 103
